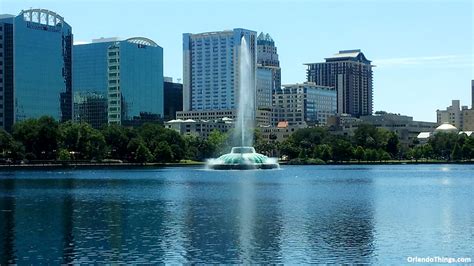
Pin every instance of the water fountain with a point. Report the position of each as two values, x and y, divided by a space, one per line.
244 156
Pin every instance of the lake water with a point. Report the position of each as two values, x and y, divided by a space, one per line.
298 214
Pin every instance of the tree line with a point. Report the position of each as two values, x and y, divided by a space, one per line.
45 139
371 144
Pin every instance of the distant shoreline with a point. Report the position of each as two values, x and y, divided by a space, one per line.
57 165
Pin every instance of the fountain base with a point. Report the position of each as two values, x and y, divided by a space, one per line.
243 158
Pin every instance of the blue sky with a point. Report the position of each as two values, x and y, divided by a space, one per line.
423 49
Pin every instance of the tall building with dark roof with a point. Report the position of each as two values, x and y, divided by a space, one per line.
268 70
35 67
350 73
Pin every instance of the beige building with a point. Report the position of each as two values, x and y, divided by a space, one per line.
468 120
406 128
452 114
200 128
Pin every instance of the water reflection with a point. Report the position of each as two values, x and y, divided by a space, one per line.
296 215
7 221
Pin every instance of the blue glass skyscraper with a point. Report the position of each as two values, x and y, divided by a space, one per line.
128 73
36 56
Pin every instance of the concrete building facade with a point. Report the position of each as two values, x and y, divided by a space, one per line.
406 128
211 68
267 57
305 103
452 115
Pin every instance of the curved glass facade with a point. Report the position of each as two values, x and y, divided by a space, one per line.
128 73
42 66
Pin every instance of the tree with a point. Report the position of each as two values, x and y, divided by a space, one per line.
163 152
383 155
40 137
468 148
287 148
217 143
341 150
143 154
417 153
153 135
117 138
393 144
443 144
359 153
457 154
9 147
371 155
64 155
83 140
323 152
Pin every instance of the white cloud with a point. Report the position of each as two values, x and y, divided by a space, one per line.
465 60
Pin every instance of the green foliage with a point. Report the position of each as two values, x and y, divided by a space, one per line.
443 144
217 143
64 155
40 137
46 139
82 140
393 144
163 152
457 153
323 152
143 154
359 153
301 161
371 155
117 139
166 144
341 150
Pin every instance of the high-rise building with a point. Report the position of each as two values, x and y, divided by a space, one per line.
267 56
268 71
173 98
211 69
35 67
350 73
301 104
264 87
128 73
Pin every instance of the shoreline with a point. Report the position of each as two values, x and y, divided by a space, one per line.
79 166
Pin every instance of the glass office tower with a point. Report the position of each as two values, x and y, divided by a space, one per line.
41 69
128 73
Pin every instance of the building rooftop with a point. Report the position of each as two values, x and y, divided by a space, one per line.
446 127
424 135
109 39
262 37
2 16
347 53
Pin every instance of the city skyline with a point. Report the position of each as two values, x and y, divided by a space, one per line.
423 60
